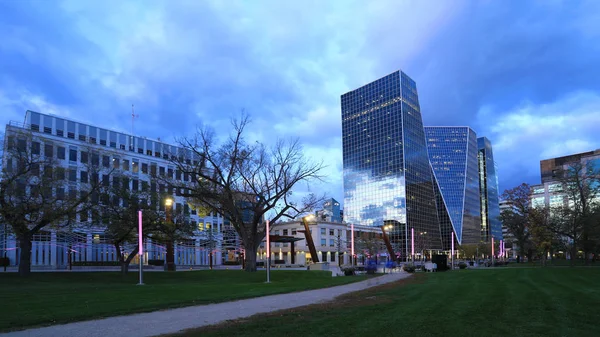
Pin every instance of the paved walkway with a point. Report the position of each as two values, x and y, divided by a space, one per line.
175 320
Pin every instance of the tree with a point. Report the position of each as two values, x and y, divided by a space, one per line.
369 244
245 182
517 218
469 250
118 211
581 185
35 193
543 238
170 227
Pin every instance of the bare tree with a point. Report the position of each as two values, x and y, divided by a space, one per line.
118 208
581 185
369 244
245 182
517 218
36 192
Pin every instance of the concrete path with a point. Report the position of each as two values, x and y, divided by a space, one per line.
175 320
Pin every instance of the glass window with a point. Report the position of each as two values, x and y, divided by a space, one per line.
134 184
285 232
60 152
105 180
106 161
145 168
331 243
72 154
70 129
293 231
95 159
84 157
48 150
331 232
125 165
323 242
116 162
35 147
84 177
135 166
73 174
323 231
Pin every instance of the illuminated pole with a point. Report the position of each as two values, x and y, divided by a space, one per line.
352 243
267 229
492 251
140 248
501 250
412 247
452 251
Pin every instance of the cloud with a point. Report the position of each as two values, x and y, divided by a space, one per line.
287 63
528 132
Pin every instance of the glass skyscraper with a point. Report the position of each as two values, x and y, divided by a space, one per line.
387 176
453 155
488 187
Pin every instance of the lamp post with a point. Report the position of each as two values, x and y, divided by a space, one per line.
140 248
452 252
412 249
267 230
170 253
352 243
493 251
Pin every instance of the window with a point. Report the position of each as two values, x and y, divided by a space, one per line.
60 173
285 232
84 157
72 155
73 174
48 172
48 150
116 182
170 173
323 231
293 231
106 161
125 183
125 165
35 169
83 176
177 174
60 133
135 166
60 152
95 159
134 184
323 242
161 171
35 148
83 216
105 180
332 257
144 186
331 231
153 169
60 193
116 163
47 130
145 168
81 138
331 243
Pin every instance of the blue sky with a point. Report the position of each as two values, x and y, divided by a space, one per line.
526 74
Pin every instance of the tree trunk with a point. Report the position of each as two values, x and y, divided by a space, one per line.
573 254
124 268
170 256
25 255
250 256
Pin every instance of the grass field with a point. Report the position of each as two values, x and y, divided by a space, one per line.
499 302
50 298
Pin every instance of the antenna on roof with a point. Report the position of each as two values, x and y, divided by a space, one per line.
133 117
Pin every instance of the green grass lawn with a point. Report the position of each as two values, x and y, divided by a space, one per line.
501 302
49 298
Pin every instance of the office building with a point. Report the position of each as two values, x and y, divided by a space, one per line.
491 226
387 175
72 145
453 155
330 212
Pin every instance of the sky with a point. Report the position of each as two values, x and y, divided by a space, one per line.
525 74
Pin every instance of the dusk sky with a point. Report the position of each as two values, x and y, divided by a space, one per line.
525 74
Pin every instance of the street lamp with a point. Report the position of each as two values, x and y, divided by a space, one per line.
386 240
140 247
170 253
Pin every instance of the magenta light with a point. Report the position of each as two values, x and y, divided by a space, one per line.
412 243
452 239
352 239
140 239
492 246
268 241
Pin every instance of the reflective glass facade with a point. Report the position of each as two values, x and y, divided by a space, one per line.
488 187
453 155
387 175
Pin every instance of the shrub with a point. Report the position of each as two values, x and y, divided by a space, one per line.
95 263
156 262
409 268
462 265
348 271
4 262
234 263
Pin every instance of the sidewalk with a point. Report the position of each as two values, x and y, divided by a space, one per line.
175 320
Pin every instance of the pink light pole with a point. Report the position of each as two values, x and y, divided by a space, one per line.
140 247
492 251
452 251
267 230
412 245
352 242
